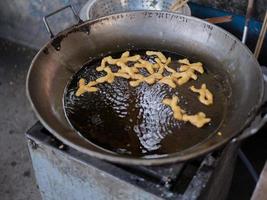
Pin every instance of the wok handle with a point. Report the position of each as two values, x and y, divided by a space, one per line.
55 12
261 118
255 126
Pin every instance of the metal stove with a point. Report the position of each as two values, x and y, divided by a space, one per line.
64 173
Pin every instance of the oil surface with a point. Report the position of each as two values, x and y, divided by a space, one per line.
134 121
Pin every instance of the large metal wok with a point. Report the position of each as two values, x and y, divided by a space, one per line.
60 58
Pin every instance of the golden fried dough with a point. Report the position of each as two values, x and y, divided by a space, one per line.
205 96
177 111
197 120
159 72
83 87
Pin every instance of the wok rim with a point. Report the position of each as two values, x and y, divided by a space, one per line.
171 158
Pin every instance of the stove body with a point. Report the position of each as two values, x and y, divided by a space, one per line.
62 172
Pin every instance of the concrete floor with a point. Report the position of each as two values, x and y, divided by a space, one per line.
16 174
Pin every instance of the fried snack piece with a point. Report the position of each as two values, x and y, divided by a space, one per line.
135 83
205 96
131 71
168 80
122 75
177 111
156 70
160 55
195 66
83 87
169 60
125 57
198 120
163 66
185 76
108 78
145 64
103 63
187 71
151 79
184 61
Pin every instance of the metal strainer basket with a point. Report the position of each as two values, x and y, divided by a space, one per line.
98 8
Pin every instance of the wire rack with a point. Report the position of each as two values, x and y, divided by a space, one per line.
99 8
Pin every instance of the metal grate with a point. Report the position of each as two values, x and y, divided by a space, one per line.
99 8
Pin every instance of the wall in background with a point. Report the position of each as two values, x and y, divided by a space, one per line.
21 20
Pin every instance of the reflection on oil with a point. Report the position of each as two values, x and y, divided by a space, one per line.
134 121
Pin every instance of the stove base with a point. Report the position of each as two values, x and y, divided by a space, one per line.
66 173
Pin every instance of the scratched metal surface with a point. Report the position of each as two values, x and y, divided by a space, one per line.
58 175
71 175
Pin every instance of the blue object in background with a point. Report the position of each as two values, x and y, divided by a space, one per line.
235 26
